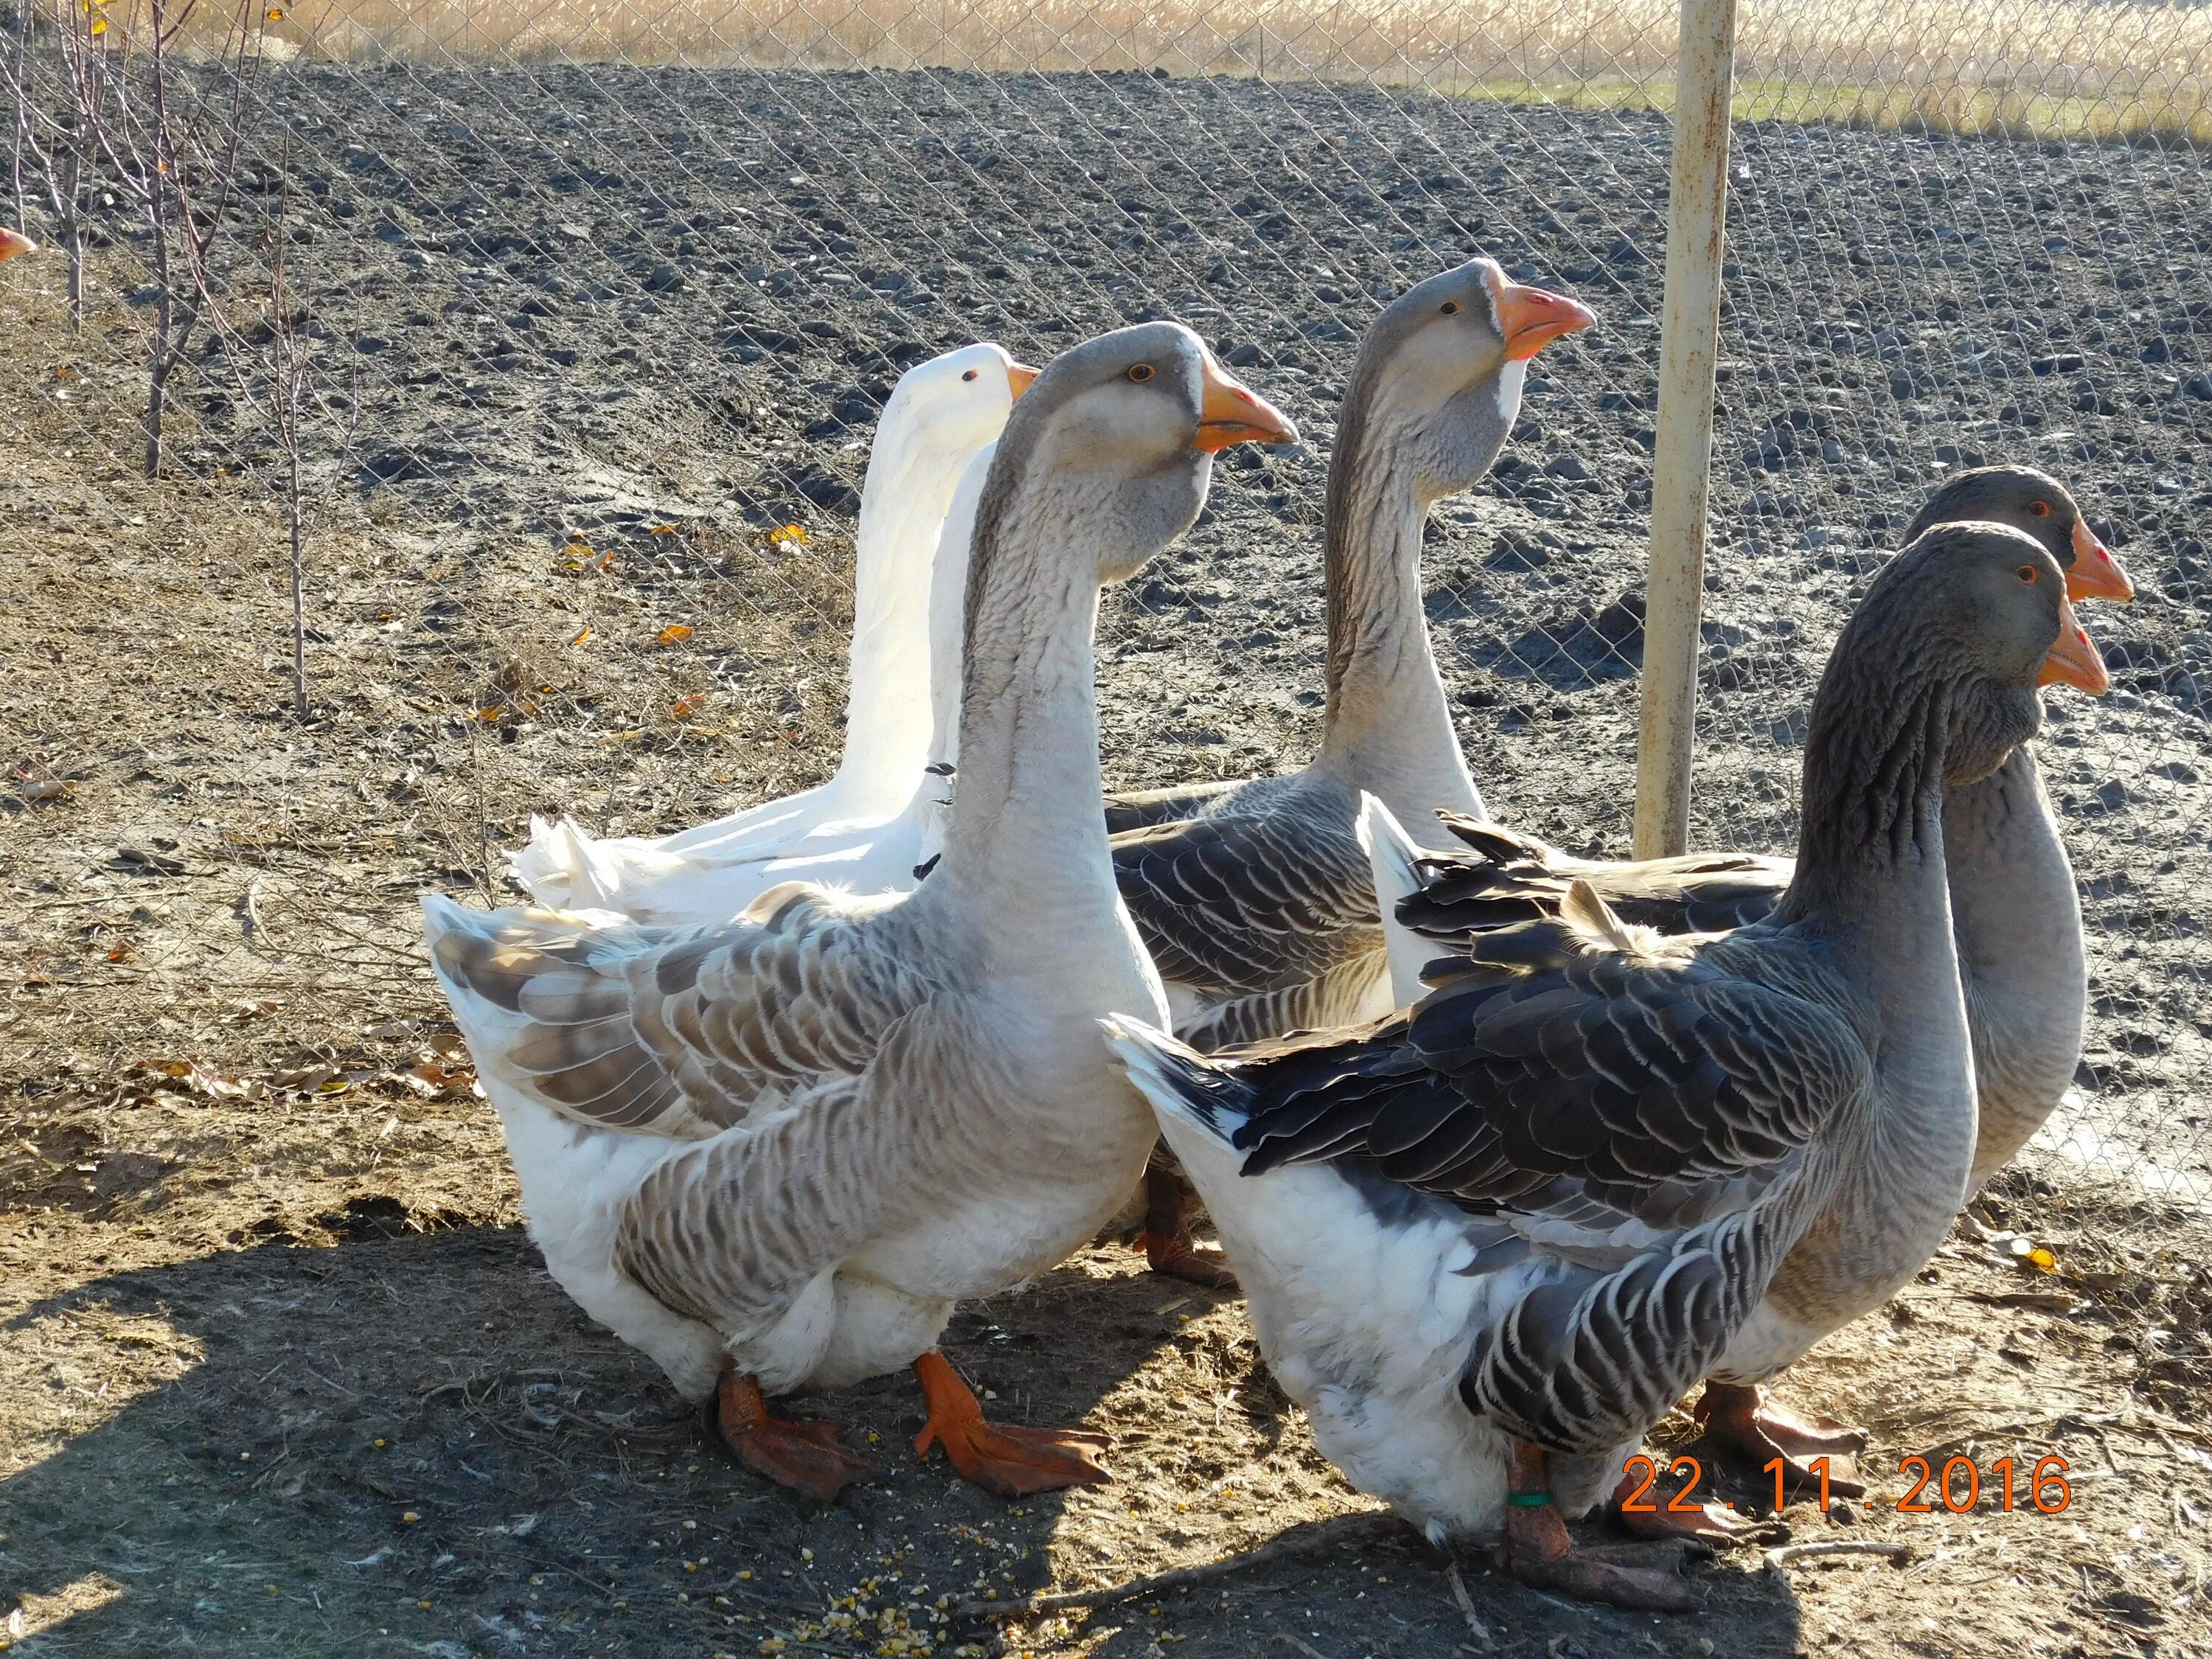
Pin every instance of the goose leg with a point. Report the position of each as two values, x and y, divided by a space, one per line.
1708 1523
807 1457
1012 1462
1743 1420
1540 1553
1169 1247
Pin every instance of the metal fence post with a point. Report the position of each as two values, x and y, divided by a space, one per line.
1696 224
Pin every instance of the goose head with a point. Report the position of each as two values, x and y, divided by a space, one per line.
2036 503
13 242
1439 373
1988 603
959 401
1126 427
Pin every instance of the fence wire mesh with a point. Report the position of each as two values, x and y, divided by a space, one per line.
590 311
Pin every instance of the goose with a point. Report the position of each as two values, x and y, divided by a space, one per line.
1259 908
1488 1242
773 1153
2017 924
867 825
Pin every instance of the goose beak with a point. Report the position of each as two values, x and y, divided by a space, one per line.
1532 318
1232 413
13 242
2074 661
2096 574
1018 376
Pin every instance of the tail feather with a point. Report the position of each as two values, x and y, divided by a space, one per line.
1181 1083
1394 863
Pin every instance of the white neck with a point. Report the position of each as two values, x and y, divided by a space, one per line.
887 724
1390 729
948 600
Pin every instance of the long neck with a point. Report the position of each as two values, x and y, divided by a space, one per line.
1388 728
2017 922
948 605
1027 844
1871 877
887 725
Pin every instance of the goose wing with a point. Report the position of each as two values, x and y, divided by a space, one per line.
1505 877
1257 895
1570 1065
676 1032
1141 809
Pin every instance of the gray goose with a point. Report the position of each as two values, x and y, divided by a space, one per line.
2017 927
773 1153
1488 1242
1257 904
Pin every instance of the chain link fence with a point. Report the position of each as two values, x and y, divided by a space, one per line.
586 314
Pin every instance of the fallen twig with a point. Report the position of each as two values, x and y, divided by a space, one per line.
1481 1630
1330 1535
1781 1558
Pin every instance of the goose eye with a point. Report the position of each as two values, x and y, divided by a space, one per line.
969 375
2038 509
2027 574
1140 372
1449 307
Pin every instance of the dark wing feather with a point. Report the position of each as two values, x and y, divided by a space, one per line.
1619 1072
1263 894
1507 878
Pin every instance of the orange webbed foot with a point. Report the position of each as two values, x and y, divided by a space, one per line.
1744 1421
1168 1248
1539 1552
1011 1463
807 1456
1708 1523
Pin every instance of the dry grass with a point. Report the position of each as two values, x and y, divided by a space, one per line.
2051 68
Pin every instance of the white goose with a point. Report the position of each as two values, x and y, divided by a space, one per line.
773 1153
867 826
1489 1242
2016 922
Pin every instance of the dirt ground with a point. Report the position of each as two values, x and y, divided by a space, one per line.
282 1374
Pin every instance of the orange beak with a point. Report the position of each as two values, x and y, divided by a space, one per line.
2096 574
1532 318
13 242
2074 661
1232 413
1018 376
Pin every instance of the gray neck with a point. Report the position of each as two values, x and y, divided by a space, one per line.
2017 918
1388 728
1027 844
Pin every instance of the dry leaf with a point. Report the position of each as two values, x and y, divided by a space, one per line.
275 14
684 708
664 530
581 637
490 712
2040 1257
671 635
794 534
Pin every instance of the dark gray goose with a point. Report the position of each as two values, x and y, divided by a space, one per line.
773 1153
1260 910
1489 1241
2017 927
